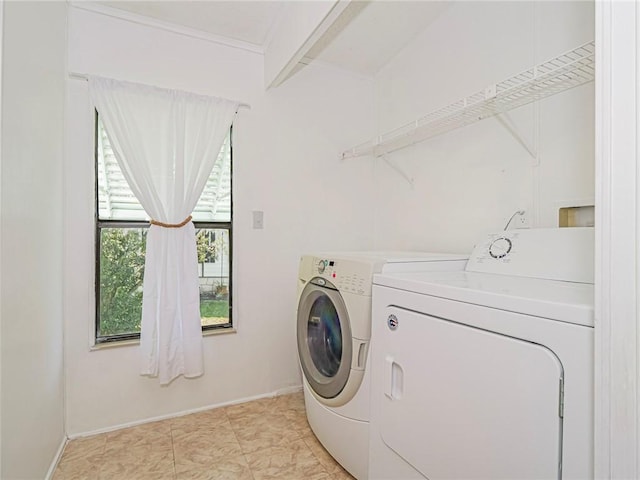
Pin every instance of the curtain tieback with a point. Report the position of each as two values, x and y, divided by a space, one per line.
171 225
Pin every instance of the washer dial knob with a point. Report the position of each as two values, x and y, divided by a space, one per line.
322 264
500 247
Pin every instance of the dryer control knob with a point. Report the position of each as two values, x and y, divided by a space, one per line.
500 247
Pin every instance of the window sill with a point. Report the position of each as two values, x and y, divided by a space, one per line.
110 345
218 331
129 343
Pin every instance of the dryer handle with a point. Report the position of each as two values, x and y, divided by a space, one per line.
393 378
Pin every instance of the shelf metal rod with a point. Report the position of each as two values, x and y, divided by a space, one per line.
569 70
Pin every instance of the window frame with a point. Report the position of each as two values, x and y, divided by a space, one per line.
101 224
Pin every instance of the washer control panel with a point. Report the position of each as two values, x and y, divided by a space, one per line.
352 272
347 275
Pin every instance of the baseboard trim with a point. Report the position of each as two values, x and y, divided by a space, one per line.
275 393
56 458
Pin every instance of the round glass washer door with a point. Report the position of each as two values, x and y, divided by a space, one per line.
324 338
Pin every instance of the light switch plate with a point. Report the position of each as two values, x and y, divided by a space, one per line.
258 219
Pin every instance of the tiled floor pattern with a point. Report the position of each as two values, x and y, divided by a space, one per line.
260 440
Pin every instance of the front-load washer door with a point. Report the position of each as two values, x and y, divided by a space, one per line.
324 338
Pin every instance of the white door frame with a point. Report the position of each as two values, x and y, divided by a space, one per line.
1 73
617 339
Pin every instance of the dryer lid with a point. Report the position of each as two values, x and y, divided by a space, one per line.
557 300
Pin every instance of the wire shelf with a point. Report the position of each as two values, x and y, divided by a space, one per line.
571 69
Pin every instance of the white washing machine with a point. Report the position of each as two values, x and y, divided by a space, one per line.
487 373
333 334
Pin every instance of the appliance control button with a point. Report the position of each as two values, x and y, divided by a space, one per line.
322 264
500 247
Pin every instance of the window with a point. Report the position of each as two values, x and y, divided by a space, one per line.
121 229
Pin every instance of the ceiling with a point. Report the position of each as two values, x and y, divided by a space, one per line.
245 21
363 40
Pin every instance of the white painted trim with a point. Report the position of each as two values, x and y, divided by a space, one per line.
56 459
617 347
276 393
602 455
65 151
168 26
299 29
1 75
290 67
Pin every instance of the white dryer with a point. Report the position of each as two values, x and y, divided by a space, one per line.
333 334
487 373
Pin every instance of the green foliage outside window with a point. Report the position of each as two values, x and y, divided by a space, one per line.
206 246
122 255
121 273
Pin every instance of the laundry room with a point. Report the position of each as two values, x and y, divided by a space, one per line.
328 152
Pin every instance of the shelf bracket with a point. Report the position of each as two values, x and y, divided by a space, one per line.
507 122
398 170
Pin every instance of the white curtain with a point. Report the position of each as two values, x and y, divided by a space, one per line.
166 143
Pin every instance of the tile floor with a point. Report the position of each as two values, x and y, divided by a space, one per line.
260 440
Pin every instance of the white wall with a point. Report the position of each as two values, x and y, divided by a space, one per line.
31 237
1 68
470 181
285 163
